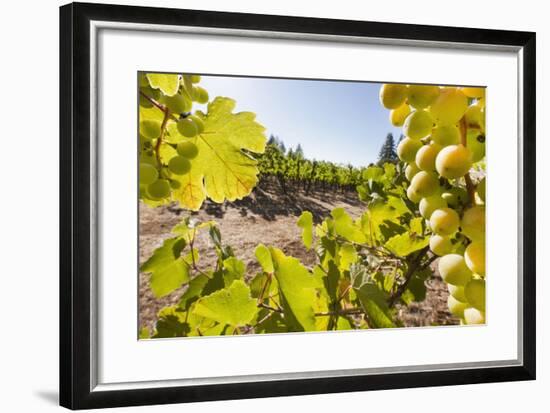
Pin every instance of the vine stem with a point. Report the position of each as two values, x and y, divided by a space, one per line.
464 140
413 266
161 136
158 105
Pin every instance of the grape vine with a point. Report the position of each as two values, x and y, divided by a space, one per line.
427 207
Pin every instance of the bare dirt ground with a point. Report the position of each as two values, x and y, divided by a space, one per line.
267 217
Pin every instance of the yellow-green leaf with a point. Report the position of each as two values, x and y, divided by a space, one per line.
264 258
168 270
345 227
406 243
232 305
222 170
297 286
306 223
168 84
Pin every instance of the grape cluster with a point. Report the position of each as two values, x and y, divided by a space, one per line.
157 178
444 136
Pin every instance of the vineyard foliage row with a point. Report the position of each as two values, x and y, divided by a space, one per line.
364 266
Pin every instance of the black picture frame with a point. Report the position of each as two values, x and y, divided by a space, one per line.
75 197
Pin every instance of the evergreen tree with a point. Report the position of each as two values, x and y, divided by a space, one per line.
387 151
299 151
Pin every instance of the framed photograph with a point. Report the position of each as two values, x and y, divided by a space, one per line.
258 206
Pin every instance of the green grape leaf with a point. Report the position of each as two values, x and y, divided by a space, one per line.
359 275
344 324
168 270
144 333
407 243
297 287
193 291
373 172
306 223
264 258
381 214
233 269
168 84
373 301
171 323
415 291
416 226
330 281
389 171
232 305
348 255
274 323
345 227
224 168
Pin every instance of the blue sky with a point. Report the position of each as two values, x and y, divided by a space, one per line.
342 122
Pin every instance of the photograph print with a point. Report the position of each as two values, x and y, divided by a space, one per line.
274 205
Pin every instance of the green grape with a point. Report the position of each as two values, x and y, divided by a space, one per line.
195 78
413 196
429 204
187 149
444 221
453 161
178 103
175 184
159 189
425 184
476 144
474 316
149 129
422 96
411 170
449 107
200 95
457 291
393 95
446 135
456 307
473 223
179 165
440 245
481 189
143 81
425 157
475 293
473 92
453 269
475 117
455 197
198 122
474 255
147 173
398 115
143 191
418 124
407 148
187 127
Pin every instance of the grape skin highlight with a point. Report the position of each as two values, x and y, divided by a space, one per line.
453 269
418 124
393 95
407 148
444 221
453 161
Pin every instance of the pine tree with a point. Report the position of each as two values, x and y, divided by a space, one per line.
387 151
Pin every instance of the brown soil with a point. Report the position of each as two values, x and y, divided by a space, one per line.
267 217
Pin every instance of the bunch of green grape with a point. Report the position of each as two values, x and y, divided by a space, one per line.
158 176
444 136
